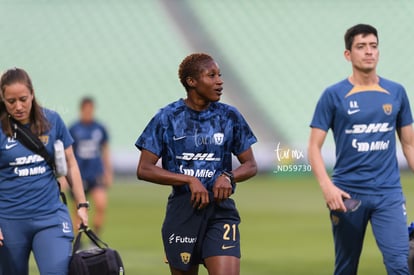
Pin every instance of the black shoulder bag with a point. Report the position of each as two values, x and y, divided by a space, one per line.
33 143
97 260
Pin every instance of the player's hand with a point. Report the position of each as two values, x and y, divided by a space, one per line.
199 194
108 179
1 238
83 215
222 189
334 198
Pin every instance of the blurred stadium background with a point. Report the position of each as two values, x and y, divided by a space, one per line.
276 57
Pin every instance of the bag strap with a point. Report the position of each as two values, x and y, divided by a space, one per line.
91 235
33 143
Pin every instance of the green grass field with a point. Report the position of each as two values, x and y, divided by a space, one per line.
285 227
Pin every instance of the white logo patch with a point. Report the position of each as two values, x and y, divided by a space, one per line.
369 128
66 227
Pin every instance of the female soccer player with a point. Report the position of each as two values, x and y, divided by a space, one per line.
92 152
32 216
195 137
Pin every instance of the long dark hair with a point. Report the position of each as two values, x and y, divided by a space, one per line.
38 122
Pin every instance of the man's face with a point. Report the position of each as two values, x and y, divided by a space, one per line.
364 53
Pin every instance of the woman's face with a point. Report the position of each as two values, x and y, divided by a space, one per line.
209 85
18 100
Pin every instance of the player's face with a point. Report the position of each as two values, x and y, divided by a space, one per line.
87 112
18 100
209 85
364 53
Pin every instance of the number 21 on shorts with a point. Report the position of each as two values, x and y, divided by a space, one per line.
230 232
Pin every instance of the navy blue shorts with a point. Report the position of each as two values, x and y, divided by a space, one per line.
191 235
90 184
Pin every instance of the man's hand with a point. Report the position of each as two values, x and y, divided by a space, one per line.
334 198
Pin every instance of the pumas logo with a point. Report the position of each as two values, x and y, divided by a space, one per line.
387 108
202 139
44 139
185 257
334 219
218 138
198 156
369 128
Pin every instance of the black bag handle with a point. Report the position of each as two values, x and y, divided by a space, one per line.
33 143
91 235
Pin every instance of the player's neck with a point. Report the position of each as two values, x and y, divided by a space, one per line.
196 105
364 79
86 121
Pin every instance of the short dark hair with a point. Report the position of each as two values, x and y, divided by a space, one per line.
86 100
192 66
363 29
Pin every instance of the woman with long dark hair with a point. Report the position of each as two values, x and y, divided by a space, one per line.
32 216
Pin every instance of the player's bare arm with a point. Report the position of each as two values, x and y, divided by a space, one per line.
248 168
149 171
406 136
332 194
75 181
108 171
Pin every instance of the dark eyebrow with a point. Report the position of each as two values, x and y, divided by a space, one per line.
366 43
